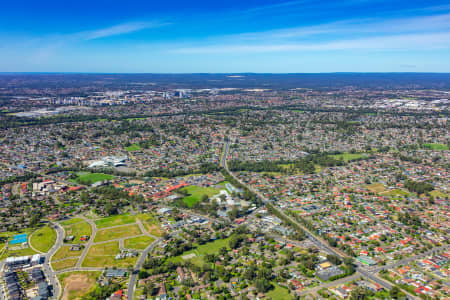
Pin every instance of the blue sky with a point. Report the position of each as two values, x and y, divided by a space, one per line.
230 36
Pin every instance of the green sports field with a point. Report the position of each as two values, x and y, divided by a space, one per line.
434 146
195 194
90 178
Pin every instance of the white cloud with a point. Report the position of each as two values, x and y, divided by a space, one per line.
394 42
118 30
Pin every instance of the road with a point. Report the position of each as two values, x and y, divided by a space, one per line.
89 243
48 270
138 266
318 241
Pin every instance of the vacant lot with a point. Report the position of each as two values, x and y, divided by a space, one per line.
195 194
77 284
103 255
90 178
64 264
376 187
138 243
65 252
151 225
77 229
43 238
115 220
117 233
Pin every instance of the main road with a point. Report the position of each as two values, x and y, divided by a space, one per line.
318 241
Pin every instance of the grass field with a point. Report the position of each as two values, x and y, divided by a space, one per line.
115 220
77 229
395 192
349 156
138 243
195 194
64 264
117 233
150 224
43 238
201 250
279 293
65 252
21 252
77 284
102 255
71 221
436 146
90 178
439 195
376 187
134 147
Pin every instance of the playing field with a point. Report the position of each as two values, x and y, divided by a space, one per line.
195 194
115 220
201 250
77 229
134 147
349 156
151 225
117 233
102 255
90 178
43 238
436 146
138 243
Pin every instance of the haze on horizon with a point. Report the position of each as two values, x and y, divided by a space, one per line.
293 36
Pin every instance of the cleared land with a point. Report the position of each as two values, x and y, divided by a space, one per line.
151 225
115 220
195 194
77 229
117 233
102 255
64 264
71 221
65 252
77 284
138 243
43 238
376 187
90 178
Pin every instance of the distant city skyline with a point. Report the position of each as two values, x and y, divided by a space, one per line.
296 36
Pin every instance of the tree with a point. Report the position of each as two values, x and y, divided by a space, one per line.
35 220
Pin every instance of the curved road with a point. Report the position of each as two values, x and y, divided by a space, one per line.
48 270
